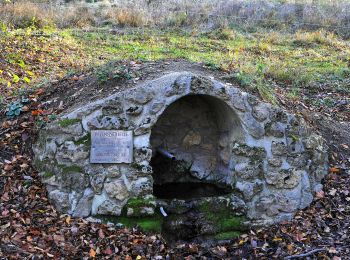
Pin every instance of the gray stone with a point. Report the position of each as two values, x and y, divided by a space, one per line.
50 147
278 115
112 108
201 85
314 142
298 160
267 205
261 112
275 162
255 128
112 171
59 128
60 200
117 189
147 211
252 100
179 86
142 154
295 146
97 181
275 129
141 96
248 171
134 110
74 180
156 107
109 207
83 208
278 148
319 157
142 141
253 153
288 202
142 186
283 179
249 189
49 178
70 152
238 102
237 205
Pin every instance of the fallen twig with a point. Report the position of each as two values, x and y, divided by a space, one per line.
5 131
305 254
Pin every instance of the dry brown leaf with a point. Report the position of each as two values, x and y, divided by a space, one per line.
92 253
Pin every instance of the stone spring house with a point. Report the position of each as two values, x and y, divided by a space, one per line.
269 162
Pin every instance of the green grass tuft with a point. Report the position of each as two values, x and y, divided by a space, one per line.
86 140
227 235
67 122
151 224
222 217
47 175
72 168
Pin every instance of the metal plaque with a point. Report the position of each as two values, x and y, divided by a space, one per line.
111 146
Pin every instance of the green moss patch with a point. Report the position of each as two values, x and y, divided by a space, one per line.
227 235
72 168
86 140
47 175
137 204
222 217
151 224
67 122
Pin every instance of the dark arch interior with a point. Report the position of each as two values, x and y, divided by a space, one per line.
190 143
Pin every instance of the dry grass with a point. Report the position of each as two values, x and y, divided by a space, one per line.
203 15
124 17
24 14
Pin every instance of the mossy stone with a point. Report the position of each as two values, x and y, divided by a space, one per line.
222 217
151 224
227 235
86 140
47 175
67 122
71 168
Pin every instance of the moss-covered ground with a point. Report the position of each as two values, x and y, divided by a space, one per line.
259 61
151 224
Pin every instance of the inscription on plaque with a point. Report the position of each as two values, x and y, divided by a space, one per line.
111 146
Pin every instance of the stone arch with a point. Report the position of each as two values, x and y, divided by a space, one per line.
273 162
197 131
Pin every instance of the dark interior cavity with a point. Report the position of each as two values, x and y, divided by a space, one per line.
187 190
190 145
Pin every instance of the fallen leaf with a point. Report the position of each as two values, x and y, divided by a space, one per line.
108 251
101 234
320 194
334 170
332 192
332 250
39 91
92 253
193 248
277 239
37 112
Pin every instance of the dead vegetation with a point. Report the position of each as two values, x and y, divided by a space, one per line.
203 15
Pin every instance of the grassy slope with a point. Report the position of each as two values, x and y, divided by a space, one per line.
257 61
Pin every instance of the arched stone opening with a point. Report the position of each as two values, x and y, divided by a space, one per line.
191 148
223 139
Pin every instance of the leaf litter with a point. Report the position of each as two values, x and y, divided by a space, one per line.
31 227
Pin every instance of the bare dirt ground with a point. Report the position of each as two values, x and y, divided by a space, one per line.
31 228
